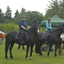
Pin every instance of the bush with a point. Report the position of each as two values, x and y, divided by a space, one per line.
7 27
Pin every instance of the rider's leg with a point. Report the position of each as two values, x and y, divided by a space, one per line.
47 33
22 38
19 47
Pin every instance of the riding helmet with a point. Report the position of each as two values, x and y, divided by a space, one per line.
23 16
49 19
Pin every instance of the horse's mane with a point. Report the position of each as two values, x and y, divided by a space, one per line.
32 28
57 29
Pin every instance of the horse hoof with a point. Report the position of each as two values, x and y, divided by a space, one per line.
41 55
6 57
31 58
48 56
11 57
27 59
55 56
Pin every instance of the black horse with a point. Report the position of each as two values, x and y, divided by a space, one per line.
30 37
54 38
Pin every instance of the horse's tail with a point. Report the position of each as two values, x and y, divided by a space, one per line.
6 40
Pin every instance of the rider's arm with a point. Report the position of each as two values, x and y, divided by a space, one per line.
48 26
24 27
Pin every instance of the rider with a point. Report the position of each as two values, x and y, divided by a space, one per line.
23 27
48 29
48 25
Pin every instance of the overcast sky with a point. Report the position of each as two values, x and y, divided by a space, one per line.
32 5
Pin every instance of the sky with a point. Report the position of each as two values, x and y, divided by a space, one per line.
31 5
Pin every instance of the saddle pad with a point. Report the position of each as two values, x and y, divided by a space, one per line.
44 36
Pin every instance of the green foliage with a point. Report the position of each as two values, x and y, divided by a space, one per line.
42 29
31 16
8 14
53 9
2 18
62 9
7 27
16 13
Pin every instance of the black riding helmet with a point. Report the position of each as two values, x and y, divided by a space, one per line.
23 16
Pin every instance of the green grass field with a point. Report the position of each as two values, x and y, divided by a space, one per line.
19 57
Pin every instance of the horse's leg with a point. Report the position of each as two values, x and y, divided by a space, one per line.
27 52
60 50
11 46
6 50
40 50
49 49
31 52
55 50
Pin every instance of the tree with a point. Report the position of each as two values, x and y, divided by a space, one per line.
8 14
1 16
16 13
32 16
53 8
23 11
62 9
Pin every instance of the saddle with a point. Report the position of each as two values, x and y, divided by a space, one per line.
46 35
20 37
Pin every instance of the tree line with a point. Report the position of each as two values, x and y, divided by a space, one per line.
31 16
54 7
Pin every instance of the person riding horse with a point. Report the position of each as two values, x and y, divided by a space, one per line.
30 38
48 25
48 28
23 27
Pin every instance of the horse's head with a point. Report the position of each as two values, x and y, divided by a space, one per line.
37 27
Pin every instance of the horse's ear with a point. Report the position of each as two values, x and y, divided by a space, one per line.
63 24
39 22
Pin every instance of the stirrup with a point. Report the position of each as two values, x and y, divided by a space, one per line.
46 42
22 41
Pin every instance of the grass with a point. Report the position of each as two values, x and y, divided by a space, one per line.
19 57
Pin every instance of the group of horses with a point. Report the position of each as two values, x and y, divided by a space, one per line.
33 36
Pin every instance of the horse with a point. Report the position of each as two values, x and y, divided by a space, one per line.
30 36
54 38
